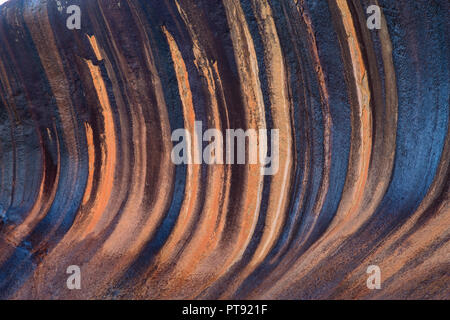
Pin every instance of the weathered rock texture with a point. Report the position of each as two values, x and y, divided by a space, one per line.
86 177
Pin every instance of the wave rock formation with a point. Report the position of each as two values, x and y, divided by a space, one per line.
86 176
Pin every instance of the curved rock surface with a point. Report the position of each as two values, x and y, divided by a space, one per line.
86 176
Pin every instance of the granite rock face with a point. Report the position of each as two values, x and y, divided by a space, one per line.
87 179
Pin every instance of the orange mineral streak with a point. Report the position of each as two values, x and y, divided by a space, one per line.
253 105
108 152
280 108
41 31
203 250
91 155
205 235
383 146
95 46
126 236
139 219
204 67
212 220
280 184
188 211
353 194
37 21
372 200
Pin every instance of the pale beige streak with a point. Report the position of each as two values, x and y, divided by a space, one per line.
188 209
137 224
253 103
353 194
280 182
327 123
206 237
361 145
207 232
37 20
253 180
